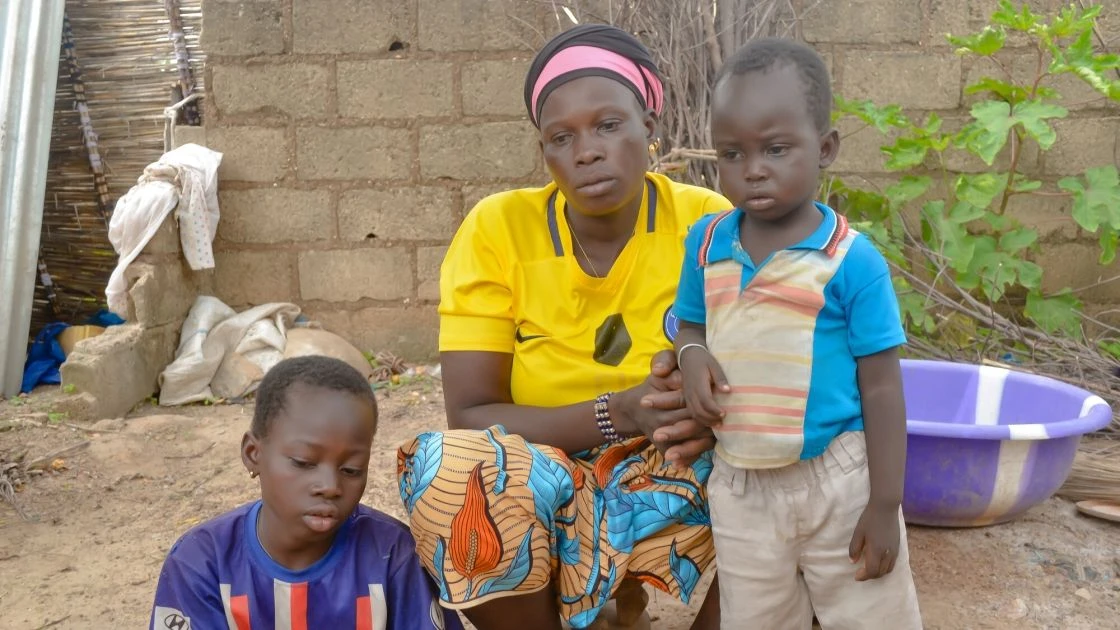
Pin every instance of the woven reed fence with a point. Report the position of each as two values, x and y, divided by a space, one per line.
119 68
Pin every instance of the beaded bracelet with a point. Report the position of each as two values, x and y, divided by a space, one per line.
603 418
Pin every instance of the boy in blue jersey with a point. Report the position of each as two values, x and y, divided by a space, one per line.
306 555
788 348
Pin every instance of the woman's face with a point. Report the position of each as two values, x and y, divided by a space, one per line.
595 138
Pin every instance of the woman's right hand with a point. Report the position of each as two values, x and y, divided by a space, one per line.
657 408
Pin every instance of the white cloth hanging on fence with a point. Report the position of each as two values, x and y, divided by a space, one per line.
186 178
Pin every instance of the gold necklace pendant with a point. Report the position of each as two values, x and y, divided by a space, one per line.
575 237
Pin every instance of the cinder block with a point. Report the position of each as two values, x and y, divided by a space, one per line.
350 275
981 10
351 26
428 261
353 153
183 134
863 22
1049 215
411 333
252 154
160 294
394 88
292 89
911 79
242 28
1107 314
950 17
860 148
251 278
496 150
472 25
472 194
1077 95
275 215
412 213
115 370
556 19
494 88
1109 22
166 240
1074 266
1082 143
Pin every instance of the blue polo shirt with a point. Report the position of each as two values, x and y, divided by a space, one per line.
788 333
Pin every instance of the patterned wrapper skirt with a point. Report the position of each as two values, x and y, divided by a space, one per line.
494 515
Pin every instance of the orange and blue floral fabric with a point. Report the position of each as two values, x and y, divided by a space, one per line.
494 515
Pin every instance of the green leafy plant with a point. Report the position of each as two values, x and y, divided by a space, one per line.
960 237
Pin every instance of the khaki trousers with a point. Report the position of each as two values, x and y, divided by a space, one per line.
782 539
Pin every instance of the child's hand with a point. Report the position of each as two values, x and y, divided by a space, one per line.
876 541
702 377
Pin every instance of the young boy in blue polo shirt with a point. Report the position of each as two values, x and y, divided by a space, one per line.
788 347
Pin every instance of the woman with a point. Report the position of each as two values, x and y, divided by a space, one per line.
552 299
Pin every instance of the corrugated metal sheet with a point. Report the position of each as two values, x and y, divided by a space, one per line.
30 39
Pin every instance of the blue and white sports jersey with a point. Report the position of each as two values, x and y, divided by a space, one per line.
218 577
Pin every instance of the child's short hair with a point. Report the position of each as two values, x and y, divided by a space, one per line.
766 53
315 371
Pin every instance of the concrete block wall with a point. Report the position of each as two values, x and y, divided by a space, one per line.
357 133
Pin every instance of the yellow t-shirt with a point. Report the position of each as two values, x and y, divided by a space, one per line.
510 283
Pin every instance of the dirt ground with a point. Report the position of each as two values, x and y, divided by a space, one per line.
101 523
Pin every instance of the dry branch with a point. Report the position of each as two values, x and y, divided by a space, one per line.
42 463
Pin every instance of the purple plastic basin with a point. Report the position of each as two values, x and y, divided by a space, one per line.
986 443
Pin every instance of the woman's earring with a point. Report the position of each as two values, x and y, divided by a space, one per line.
653 148
252 474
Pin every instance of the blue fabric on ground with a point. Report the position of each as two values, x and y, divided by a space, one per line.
44 358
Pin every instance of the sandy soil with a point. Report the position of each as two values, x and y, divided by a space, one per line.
99 526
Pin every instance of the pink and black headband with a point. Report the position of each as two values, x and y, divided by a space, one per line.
593 50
